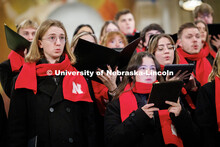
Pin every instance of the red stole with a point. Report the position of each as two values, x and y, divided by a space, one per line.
168 129
128 104
217 100
203 67
101 96
16 61
208 50
75 87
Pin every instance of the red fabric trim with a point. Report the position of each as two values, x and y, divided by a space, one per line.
217 100
203 67
16 61
188 98
101 96
168 136
140 50
208 50
75 88
128 103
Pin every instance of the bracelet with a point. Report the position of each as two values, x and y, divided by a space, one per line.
112 93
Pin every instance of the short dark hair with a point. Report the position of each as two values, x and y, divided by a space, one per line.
204 8
150 27
120 13
185 26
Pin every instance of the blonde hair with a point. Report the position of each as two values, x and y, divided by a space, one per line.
27 24
77 36
215 68
110 35
153 43
35 53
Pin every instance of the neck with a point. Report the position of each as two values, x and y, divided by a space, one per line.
52 60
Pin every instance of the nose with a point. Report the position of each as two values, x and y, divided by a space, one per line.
58 42
30 37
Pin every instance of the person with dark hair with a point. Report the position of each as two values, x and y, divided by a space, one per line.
208 108
132 122
190 51
49 107
83 28
126 23
147 32
107 27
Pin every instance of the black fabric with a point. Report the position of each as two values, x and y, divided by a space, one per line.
6 77
138 130
3 123
56 122
206 116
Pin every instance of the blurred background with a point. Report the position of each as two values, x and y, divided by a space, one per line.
167 13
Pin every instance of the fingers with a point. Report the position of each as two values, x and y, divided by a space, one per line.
172 103
148 105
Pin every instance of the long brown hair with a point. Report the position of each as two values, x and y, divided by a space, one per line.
153 44
35 53
215 68
133 65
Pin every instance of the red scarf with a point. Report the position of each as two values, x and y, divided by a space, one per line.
168 129
188 98
16 61
208 50
101 96
203 67
217 100
128 104
75 87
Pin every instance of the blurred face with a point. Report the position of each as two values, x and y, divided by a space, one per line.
53 43
202 31
27 33
207 18
148 34
85 29
111 27
88 38
116 42
190 41
126 24
165 51
146 68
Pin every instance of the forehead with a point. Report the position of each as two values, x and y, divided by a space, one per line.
188 31
126 16
153 32
164 40
85 29
147 61
200 24
111 25
54 30
27 29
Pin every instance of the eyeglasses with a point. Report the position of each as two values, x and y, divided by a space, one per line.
53 39
161 48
